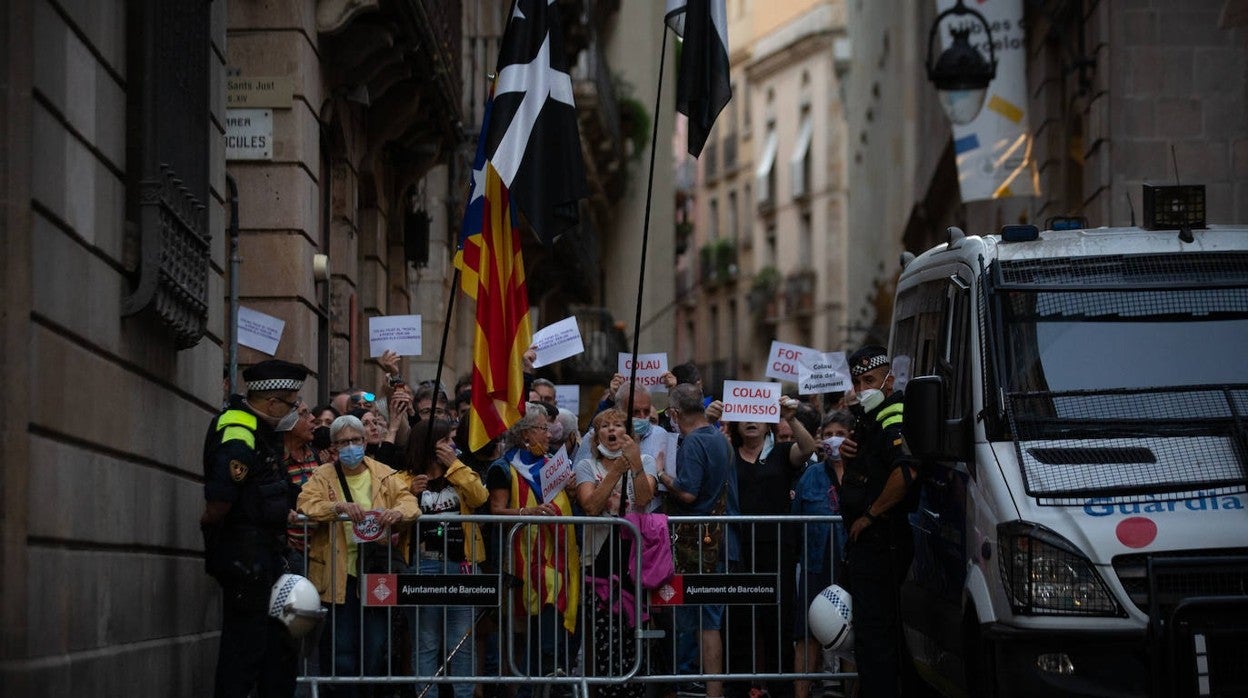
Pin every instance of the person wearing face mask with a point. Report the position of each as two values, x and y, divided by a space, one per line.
301 458
766 467
653 440
443 485
354 485
878 490
550 584
617 479
821 549
248 502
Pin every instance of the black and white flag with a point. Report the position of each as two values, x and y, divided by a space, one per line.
533 142
703 86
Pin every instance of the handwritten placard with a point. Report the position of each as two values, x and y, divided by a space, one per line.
568 397
751 401
557 342
555 474
822 373
650 369
783 360
259 331
398 333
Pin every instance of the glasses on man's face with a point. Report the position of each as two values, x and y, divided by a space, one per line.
353 441
439 413
292 405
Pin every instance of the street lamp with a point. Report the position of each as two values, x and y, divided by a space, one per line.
960 74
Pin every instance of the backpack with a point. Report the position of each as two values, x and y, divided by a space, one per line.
657 565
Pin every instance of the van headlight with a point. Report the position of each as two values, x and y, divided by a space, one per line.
1045 574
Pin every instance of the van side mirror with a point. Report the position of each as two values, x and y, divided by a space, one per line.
925 398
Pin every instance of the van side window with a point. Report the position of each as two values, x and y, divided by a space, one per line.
955 359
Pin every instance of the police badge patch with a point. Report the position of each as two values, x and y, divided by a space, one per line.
238 470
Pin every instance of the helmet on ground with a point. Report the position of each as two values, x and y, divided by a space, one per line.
294 601
830 618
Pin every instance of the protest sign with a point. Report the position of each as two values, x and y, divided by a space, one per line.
555 475
568 397
751 401
398 333
822 373
783 360
650 369
368 529
259 331
557 342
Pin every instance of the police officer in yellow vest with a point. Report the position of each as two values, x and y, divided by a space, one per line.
248 499
878 491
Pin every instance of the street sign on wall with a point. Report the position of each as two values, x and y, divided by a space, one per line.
248 134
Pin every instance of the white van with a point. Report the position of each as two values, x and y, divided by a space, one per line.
1079 401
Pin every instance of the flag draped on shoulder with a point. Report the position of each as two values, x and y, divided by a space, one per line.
533 140
703 85
492 272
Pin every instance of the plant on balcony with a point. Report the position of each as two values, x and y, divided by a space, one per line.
725 252
634 124
763 299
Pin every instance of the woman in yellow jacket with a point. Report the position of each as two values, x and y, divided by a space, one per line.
371 495
443 485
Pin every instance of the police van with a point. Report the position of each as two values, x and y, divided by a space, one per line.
1079 401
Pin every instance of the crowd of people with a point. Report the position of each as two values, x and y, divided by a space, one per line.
287 486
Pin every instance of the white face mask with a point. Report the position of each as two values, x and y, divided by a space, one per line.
288 422
608 453
832 447
871 399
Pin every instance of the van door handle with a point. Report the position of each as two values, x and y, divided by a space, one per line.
934 516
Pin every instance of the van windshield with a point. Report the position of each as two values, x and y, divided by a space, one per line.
1092 340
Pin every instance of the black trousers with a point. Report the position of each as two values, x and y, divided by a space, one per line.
877 565
256 651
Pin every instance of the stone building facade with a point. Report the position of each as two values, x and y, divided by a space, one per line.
1112 87
116 206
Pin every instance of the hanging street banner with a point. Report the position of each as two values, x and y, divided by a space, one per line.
994 151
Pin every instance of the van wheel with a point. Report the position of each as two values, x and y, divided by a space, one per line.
979 663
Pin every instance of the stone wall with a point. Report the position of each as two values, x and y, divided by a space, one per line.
103 584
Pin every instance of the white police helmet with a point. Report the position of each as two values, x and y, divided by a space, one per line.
294 601
830 619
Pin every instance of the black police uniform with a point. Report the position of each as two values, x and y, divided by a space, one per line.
242 465
880 557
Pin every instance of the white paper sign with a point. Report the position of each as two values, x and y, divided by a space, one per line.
783 360
568 397
901 372
259 331
822 373
555 475
398 333
650 369
751 401
557 342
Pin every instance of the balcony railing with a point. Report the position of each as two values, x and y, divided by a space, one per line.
710 160
718 262
799 292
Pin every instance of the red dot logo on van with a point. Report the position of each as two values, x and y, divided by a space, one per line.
1136 531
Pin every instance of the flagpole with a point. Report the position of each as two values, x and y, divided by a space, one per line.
437 377
645 231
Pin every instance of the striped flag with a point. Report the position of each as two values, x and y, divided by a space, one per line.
703 85
492 272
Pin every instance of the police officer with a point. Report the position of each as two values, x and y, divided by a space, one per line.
248 499
877 493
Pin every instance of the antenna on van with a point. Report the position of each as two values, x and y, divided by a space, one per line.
1185 229
1131 205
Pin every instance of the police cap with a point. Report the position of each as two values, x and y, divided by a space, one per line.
868 358
274 374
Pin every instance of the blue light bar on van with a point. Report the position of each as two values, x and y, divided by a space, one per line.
1019 233
1067 223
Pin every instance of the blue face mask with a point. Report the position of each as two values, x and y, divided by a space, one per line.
641 427
351 455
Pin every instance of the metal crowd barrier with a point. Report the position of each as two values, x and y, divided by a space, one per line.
756 583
